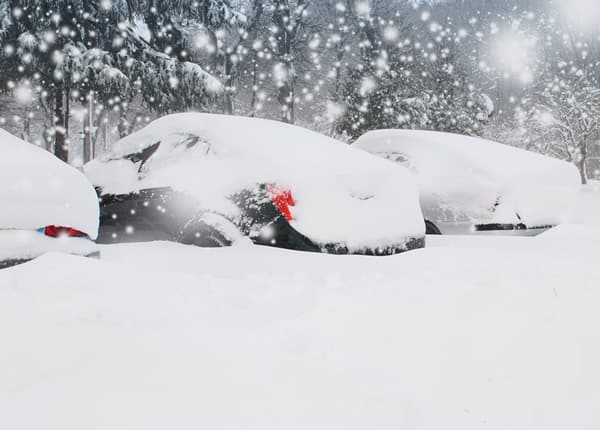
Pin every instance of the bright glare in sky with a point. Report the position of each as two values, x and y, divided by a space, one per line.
582 14
514 53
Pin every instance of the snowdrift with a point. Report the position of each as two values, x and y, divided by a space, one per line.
37 190
342 195
163 336
466 179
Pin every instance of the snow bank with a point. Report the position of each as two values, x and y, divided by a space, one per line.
342 195
168 336
587 208
37 190
461 177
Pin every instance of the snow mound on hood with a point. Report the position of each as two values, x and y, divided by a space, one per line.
342 195
467 174
37 190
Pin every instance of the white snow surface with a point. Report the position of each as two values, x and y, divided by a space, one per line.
587 207
38 190
493 333
461 177
342 195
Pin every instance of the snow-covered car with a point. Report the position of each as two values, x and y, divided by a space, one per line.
470 184
46 205
214 180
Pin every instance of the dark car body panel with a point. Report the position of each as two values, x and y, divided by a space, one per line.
169 215
153 214
5 264
163 214
13 262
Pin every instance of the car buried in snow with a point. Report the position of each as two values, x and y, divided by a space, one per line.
471 185
216 180
47 205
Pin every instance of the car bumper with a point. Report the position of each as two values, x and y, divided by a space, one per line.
282 235
511 229
20 246
380 251
466 228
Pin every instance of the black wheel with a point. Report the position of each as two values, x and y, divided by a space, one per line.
206 232
432 229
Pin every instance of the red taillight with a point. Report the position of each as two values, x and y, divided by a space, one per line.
55 231
283 200
495 205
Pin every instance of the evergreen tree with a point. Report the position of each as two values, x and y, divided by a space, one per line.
55 47
95 54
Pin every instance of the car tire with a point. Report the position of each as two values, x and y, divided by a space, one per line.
206 232
432 229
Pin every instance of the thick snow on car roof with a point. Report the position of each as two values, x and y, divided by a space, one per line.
342 194
438 156
37 190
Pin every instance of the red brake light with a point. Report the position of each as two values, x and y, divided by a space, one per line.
495 205
56 231
283 200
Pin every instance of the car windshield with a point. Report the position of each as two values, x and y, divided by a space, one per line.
178 143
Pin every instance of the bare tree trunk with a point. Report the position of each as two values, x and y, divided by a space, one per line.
285 97
48 138
288 24
228 69
87 139
124 126
88 151
67 114
26 128
130 11
582 162
96 135
105 128
254 88
61 149
581 165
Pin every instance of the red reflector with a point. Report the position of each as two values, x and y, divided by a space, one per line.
55 231
495 205
283 200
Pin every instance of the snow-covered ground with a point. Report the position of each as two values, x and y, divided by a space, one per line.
472 332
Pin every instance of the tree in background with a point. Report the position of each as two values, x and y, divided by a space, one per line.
409 83
564 119
42 42
97 69
92 53
287 42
